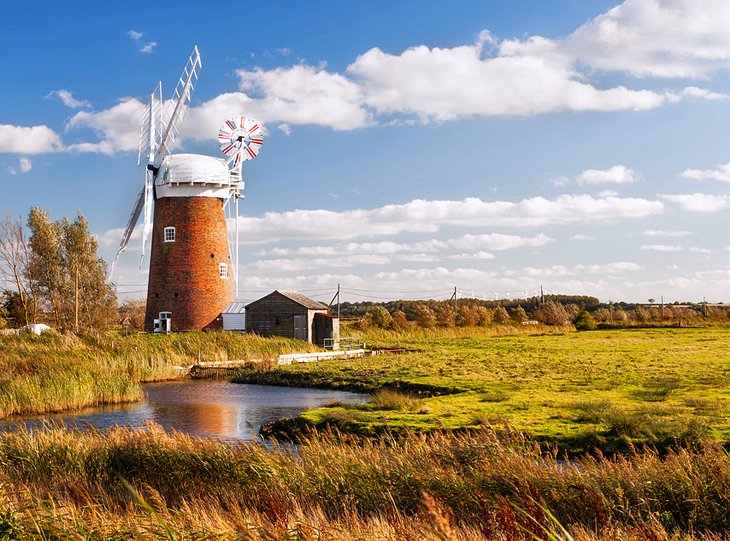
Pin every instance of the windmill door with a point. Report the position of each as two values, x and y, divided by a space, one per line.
300 327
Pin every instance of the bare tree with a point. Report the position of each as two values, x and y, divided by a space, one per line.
15 264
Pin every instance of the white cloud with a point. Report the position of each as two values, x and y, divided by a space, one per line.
28 139
67 99
608 193
722 173
700 202
302 95
142 46
581 236
661 247
670 38
496 241
618 174
24 166
117 127
661 233
525 78
698 250
422 216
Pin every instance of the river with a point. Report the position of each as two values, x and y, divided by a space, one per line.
209 408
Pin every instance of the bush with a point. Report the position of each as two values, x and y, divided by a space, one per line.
425 317
584 321
552 313
500 315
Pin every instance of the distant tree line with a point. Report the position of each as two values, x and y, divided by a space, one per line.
584 312
52 273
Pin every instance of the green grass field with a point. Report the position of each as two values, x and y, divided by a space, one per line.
579 389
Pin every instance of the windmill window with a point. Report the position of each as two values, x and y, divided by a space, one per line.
169 234
165 315
223 270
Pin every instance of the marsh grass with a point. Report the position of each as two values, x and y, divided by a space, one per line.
600 388
56 372
60 484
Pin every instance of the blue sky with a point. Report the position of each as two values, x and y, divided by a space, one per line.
411 147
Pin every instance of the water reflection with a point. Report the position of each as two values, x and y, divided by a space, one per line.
218 409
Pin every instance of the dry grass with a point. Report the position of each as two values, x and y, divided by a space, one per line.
61 484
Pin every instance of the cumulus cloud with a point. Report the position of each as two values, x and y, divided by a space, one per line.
700 202
722 173
28 139
675 38
116 127
423 216
489 77
305 95
618 174
67 99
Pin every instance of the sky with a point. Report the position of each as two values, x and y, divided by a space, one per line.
410 148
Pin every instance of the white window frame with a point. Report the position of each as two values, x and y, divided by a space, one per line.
223 270
165 315
169 230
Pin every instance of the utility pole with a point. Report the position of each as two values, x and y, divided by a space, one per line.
337 296
453 298
542 296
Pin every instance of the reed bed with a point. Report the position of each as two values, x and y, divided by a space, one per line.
62 483
57 372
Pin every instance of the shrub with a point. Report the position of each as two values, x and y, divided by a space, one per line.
584 321
552 313
500 315
425 317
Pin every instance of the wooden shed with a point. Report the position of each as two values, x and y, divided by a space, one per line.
291 314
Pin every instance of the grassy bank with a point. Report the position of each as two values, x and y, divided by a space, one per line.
147 484
602 388
57 372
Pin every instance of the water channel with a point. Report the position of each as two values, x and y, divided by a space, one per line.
209 408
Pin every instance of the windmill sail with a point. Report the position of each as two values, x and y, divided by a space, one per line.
178 107
157 137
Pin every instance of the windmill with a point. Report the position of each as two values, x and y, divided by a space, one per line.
191 264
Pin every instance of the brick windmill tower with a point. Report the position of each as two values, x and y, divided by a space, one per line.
193 272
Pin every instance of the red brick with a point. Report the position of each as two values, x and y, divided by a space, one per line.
184 278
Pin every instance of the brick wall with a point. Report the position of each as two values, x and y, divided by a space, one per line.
184 275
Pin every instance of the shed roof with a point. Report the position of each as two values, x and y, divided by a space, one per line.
237 306
298 298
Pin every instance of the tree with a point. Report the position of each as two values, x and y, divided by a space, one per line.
134 309
97 300
584 321
424 316
380 317
15 265
399 319
484 316
445 315
67 274
45 262
602 315
466 316
500 315
519 315
552 313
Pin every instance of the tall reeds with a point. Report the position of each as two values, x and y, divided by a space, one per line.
56 372
470 486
